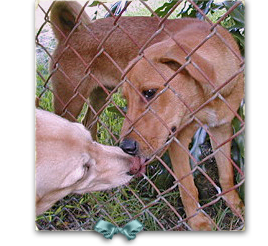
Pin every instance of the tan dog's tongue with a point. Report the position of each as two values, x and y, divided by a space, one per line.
137 166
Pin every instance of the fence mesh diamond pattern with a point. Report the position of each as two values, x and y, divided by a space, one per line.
97 86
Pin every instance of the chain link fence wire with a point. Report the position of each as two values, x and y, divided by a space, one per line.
154 199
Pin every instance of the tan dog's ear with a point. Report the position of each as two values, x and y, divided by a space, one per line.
174 58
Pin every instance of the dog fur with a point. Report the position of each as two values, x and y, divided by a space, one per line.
74 81
69 161
188 90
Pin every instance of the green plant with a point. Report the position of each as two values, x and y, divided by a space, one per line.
234 22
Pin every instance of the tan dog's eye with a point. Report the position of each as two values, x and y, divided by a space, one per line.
149 94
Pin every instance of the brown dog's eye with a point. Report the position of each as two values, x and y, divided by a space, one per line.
149 94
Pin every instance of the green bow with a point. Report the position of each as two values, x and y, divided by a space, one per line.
108 229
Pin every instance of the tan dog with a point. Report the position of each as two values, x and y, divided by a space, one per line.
164 109
68 161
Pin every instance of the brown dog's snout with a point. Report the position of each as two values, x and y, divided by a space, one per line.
129 146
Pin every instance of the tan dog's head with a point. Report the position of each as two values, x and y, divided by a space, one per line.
155 110
69 161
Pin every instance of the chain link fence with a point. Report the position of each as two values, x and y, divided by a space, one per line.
155 198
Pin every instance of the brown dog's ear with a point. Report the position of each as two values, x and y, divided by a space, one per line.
175 57
63 16
172 64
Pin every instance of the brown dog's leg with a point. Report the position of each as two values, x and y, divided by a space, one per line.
97 100
225 167
188 191
73 109
65 99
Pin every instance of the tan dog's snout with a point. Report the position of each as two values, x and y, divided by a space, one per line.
69 161
137 166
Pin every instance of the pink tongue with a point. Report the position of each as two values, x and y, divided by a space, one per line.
137 167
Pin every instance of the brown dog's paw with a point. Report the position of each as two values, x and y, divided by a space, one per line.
200 223
239 208
235 203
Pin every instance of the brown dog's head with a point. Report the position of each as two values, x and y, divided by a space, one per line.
159 102
167 84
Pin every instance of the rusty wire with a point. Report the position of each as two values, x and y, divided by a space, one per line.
77 215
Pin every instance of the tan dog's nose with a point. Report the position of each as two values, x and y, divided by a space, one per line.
129 146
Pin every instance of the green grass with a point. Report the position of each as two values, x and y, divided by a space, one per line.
41 91
112 119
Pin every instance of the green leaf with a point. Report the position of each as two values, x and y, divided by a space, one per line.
165 8
238 148
113 109
95 3
238 13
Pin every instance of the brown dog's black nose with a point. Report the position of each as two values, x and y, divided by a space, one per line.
129 146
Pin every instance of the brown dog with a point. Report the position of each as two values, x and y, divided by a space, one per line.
81 65
156 110
68 161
